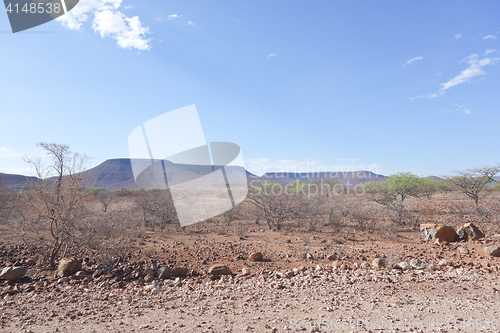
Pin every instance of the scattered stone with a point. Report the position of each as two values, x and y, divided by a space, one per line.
469 232
164 273
257 256
69 265
13 273
493 251
245 271
336 264
365 265
378 263
404 265
309 256
445 262
463 250
331 257
218 269
63 280
239 257
417 264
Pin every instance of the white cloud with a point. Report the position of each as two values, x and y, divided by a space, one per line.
489 51
457 108
458 36
6 152
413 59
490 37
190 23
272 55
475 69
128 7
109 22
174 16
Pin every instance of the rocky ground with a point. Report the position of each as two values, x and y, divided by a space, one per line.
304 283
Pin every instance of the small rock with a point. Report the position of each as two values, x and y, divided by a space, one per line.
417 264
445 262
218 269
179 271
69 265
463 250
493 251
13 273
245 271
336 264
257 256
378 263
365 265
404 265
309 256
63 280
164 273
331 257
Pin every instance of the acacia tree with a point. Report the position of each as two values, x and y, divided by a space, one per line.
104 197
393 191
57 197
471 182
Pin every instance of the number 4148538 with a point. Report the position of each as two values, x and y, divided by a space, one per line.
33 8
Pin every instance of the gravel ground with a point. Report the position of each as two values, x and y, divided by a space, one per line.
350 300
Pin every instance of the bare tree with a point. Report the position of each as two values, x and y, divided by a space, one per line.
471 182
57 197
276 205
157 207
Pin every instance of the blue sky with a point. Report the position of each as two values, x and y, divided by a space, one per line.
300 86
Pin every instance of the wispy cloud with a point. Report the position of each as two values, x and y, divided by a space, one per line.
128 7
413 60
6 152
458 36
109 22
174 16
490 37
457 108
475 69
489 51
192 24
272 55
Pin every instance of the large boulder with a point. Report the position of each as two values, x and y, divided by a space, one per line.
218 269
13 273
469 232
493 251
440 232
69 266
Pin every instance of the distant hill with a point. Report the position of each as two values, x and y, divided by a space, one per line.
14 183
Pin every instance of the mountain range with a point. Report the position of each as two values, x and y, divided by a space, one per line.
115 174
